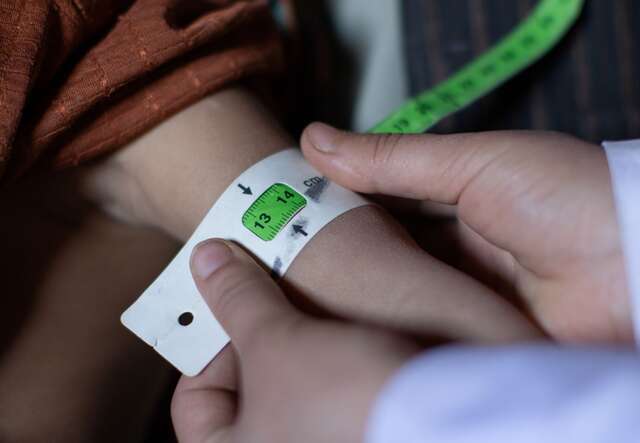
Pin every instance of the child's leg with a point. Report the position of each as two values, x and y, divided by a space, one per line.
362 265
68 370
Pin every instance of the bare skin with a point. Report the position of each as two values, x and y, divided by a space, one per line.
362 266
69 372
533 208
332 371
537 210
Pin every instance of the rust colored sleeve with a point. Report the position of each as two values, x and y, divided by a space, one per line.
79 78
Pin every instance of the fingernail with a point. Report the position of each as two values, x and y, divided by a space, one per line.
322 137
208 257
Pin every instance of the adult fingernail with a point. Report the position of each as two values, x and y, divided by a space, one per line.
208 257
322 137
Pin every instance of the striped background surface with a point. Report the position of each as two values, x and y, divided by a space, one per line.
588 86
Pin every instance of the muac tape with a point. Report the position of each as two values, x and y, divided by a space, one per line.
273 209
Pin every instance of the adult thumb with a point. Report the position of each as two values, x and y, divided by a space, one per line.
425 167
244 299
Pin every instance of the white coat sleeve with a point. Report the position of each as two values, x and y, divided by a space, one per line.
624 164
523 394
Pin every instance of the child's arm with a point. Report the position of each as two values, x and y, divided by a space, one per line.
362 265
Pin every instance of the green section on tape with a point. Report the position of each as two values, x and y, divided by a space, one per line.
273 210
532 39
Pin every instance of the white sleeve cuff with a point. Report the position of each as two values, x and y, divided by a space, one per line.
523 394
624 163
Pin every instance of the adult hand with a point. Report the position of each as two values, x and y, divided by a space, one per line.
535 207
287 377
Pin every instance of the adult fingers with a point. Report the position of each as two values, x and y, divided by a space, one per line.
433 167
203 408
243 298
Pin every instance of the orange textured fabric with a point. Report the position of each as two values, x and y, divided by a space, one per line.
79 78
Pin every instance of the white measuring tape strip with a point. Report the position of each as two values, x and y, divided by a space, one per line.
273 210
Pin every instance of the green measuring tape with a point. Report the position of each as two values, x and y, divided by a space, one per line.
532 39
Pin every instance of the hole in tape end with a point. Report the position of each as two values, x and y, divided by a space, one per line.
185 319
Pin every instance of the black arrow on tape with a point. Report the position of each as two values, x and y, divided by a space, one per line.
245 190
299 230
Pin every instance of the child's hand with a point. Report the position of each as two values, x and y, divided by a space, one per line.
288 377
535 207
